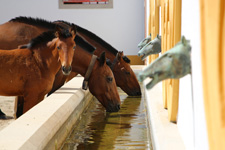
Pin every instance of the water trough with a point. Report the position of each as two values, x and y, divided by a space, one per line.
48 124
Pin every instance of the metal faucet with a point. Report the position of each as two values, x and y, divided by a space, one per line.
175 64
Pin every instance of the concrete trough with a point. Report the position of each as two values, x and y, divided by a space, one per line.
46 125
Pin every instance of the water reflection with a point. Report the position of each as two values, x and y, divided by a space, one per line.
125 129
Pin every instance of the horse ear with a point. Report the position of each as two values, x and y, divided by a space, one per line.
73 30
119 55
23 46
184 41
57 31
108 62
102 59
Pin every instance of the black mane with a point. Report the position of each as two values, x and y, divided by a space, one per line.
46 37
84 44
51 25
41 39
94 36
35 21
98 39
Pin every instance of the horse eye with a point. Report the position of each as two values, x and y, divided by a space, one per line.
58 47
127 72
109 79
74 47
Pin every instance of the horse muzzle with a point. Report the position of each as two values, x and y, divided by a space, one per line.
66 70
113 108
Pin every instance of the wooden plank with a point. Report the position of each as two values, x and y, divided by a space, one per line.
212 14
175 37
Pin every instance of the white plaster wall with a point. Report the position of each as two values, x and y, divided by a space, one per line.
122 26
195 137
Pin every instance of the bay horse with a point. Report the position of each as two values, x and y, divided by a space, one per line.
30 71
108 95
118 62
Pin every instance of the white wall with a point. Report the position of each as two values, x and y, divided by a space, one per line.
195 137
122 26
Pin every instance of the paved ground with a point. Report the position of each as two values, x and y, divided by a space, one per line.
7 106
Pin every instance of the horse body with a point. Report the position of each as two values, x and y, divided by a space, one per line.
21 75
18 33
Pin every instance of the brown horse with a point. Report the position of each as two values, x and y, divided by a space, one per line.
124 75
108 95
30 72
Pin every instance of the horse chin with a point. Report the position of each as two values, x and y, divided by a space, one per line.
135 93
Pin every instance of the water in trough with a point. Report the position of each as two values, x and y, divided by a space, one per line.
98 130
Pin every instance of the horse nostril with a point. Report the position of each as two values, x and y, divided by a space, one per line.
118 107
69 68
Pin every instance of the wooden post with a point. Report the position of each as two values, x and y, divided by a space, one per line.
213 69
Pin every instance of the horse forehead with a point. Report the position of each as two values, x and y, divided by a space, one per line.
123 64
67 41
106 71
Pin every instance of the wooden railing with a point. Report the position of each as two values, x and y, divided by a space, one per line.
171 34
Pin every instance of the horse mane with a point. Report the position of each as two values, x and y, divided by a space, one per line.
51 25
84 44
35 21
98 39
46 37
94 36
101 41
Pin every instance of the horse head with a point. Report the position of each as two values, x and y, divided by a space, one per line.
103 86
144 41
174 63
65 45
153 47
124 75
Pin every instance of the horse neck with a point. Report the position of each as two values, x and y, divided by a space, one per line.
47 57
99 47
81 61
